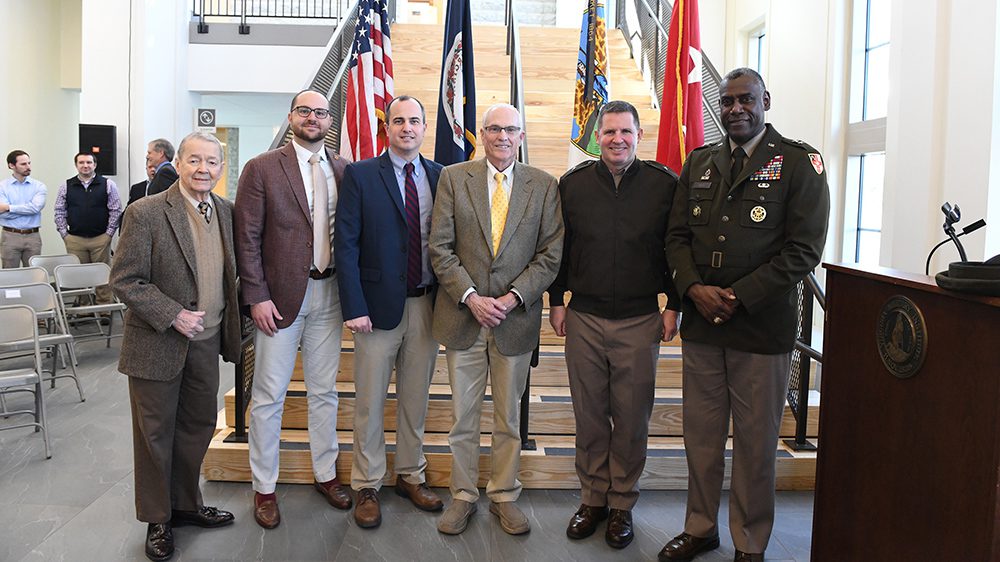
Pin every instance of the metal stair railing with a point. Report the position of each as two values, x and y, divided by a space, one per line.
245 9
809 290
329 79
653 25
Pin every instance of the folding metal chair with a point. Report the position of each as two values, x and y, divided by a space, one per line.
88 276
42 299
23 276
17 323
50 262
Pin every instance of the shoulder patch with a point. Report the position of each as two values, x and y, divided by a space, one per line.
581 166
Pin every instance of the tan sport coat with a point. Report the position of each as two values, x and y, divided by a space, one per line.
462 256
273 229
154 274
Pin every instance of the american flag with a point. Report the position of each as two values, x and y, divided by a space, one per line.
369 84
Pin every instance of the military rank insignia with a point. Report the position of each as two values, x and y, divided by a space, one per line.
696 211
770 171
707 175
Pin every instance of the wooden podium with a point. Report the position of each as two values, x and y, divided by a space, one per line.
908 462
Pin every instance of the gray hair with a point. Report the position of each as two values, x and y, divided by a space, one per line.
198 135
164 146
486 114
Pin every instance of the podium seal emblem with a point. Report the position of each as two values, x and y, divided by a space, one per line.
901 337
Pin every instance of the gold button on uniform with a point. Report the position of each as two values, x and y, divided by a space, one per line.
722 238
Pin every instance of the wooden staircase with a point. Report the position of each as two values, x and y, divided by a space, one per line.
549 71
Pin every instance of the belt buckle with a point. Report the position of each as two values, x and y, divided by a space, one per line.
716 259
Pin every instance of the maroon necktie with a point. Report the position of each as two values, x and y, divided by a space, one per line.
414 263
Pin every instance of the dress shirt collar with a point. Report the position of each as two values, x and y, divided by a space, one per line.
194 202
398 162
508 173
304 154
750 145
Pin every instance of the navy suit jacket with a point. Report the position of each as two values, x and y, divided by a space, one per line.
370 231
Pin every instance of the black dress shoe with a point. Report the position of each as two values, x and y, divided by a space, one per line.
747 557
619 532
206 516
684 547
159 541
584 521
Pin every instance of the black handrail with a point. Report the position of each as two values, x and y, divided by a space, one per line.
809 290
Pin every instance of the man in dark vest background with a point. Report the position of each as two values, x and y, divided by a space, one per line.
87 211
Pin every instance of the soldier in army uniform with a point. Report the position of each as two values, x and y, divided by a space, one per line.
748 223
614 262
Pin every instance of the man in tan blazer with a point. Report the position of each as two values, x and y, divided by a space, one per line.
285 206
176 271
495 244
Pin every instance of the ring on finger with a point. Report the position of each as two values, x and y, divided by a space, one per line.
717 320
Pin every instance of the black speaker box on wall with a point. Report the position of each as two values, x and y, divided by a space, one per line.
100 140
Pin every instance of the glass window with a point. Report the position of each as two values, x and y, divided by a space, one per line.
757 51
869 224
876 58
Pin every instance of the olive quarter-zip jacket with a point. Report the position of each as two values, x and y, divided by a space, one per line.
614 255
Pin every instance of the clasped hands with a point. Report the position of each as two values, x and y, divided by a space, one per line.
190 322
715 304
489 311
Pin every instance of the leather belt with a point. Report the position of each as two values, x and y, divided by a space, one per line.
325 274
21 230
419 291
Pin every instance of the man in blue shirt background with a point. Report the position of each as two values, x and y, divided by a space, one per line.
21 201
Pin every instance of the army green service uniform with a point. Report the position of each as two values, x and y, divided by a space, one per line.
760 236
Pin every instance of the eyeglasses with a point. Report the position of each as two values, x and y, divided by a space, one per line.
303 111
510 130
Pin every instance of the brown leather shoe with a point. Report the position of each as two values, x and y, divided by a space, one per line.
619 532
684 547
748 557
367 513
265 511
335 493
584 521
419 494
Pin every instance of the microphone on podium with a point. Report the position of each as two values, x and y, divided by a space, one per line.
951 217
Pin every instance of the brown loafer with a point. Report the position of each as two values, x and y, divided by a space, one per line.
584 521
747 557
367 513
265 511
335 493
419 494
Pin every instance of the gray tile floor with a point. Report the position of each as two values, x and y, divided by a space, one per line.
79 504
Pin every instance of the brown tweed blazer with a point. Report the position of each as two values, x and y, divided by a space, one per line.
154 274
273 230
462 255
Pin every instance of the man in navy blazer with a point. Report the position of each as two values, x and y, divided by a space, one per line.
387 295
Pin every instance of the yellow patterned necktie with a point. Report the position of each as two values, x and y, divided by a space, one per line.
498 212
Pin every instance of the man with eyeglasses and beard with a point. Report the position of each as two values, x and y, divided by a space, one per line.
284 217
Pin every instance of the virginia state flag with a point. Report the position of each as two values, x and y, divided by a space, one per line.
591 84
455 140
681 127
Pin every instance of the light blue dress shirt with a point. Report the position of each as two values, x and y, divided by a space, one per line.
26 199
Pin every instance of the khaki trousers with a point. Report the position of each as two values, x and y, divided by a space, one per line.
16 249
172 425
411 349
612 377
468 370
717 381
92 250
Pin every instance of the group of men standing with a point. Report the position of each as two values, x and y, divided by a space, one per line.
406 254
